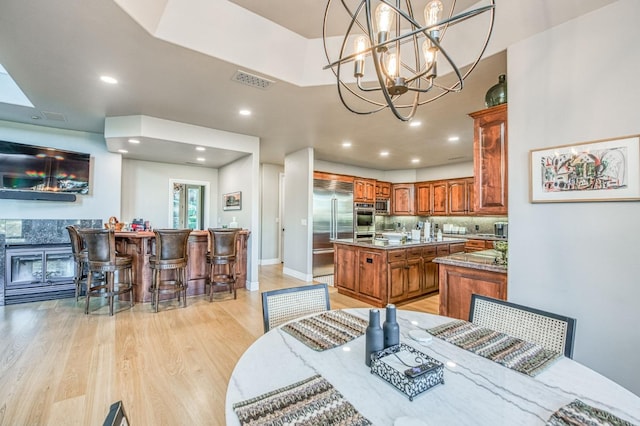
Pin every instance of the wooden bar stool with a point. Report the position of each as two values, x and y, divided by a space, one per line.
102 257
80 258
171 255
222 258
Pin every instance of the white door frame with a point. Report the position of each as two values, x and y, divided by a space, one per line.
205 201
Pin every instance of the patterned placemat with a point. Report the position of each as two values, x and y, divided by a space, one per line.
578 413
327 330
312 401
516 354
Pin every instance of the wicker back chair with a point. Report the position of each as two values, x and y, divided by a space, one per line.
551 331
282 305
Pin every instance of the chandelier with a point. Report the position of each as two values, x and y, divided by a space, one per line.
395 55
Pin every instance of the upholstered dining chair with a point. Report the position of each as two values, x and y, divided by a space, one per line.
102 258
170 256
282 305
80 258
222 258
549 330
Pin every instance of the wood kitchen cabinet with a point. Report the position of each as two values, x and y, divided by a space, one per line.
458 283
383 190
345 265
477 245
371 268
364 190
405 270
403 202
424 198
440 194
490 166
457 197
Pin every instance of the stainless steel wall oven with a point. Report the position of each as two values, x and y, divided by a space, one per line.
364 218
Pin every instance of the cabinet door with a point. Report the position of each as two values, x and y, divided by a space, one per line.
397 283
383 190
457 193
424 198
439 204
413 273
490 160
471 198
359 190
403 201
370 273
430 276
345 269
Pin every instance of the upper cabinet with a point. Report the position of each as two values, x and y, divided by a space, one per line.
490 160
364 190
444 197
383 190
403 202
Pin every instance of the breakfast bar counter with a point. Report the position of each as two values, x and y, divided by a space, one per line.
380 274
140 245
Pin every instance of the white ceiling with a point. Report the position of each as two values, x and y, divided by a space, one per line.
57 50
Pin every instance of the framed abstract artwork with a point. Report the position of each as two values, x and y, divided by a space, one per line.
604 170
232 201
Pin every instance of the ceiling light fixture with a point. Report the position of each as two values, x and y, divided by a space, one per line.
346 144
415 123
123 151
415 160
454 139
244 112
200 148
107 79
201 159
384 153
134 141
401 51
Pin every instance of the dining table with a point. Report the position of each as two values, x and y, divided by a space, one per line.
476 390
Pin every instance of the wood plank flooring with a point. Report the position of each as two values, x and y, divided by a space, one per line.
59 366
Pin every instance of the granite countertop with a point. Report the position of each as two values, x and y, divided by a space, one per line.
392 245
484 260
489 237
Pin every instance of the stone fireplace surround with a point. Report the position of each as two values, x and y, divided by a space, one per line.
33 232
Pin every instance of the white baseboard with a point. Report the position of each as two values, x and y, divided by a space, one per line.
252 285
296 274
269 261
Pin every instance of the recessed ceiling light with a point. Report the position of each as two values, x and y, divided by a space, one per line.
384 153
415 160
415 123
454 138
244 112
200 159
346 144
122 151
108 79
200 148
134 141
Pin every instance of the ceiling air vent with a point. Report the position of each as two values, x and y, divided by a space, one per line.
252 80
53 116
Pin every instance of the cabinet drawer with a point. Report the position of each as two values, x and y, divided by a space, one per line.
429 251
395 255
414 252
443 250
456 248
474 244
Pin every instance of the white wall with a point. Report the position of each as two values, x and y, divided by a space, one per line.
103 200
450 171
146 192
578 82
269 203
298 216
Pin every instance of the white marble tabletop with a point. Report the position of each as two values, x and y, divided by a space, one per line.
476 391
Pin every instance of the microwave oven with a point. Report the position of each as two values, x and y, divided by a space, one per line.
382 207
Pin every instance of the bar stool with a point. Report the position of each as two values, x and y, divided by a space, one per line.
102 257
80 258
222 260
171 255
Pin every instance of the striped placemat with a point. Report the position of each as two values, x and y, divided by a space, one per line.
312 401
327 330
578 413
526 357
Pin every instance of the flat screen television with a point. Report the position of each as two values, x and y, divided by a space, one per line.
26 168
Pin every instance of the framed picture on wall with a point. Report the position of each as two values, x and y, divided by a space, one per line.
604 170
232 201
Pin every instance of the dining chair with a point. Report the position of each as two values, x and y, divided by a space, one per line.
80 258
171 256
282 305
549 330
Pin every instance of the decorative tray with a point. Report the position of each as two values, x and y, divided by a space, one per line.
391 363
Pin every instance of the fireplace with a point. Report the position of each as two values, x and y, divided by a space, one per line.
38 272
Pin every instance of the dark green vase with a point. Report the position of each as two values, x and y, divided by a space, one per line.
497 94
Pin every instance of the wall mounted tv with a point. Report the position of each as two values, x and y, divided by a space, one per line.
36 172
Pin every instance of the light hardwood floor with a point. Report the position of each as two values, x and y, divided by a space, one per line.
59 366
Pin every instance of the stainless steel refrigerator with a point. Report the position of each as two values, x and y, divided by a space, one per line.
332 219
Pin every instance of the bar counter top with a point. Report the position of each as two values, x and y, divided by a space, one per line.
484 260
396 245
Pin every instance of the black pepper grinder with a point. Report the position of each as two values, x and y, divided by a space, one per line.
390 328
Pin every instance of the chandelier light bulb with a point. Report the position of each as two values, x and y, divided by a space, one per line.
433 15
430 52
384 21
392 65
361 44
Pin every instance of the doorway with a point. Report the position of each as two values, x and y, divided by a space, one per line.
188 204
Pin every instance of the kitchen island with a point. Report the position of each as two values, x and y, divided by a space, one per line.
462 274
141 244
380 274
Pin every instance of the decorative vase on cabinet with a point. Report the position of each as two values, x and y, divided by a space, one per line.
497 94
